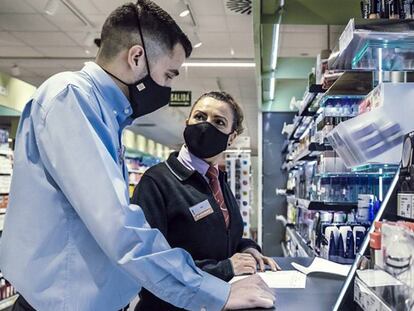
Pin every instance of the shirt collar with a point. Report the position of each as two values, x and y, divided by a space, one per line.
181 171
112 94
192 162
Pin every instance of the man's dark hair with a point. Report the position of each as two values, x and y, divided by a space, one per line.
161 33
225 97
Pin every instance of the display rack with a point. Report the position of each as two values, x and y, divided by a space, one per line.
381 46
321 182
238 168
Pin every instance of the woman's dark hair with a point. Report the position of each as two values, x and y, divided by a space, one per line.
238 115
161 33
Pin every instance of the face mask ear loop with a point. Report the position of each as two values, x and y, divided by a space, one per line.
142 38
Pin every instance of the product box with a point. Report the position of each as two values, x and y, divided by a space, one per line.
405 205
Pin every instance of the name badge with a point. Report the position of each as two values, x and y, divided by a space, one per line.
201 210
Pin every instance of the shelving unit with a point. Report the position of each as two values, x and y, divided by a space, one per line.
321 181
238 168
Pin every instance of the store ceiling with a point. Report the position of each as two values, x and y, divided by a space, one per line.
42 45
303 34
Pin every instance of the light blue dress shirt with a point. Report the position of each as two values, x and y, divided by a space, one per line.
71 239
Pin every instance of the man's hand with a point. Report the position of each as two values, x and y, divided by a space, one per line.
251 292
262 260
243 264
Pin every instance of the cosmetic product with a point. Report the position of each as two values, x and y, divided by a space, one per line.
350 245
332 249
340 246
373 12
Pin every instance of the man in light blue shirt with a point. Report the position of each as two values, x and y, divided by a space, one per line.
71 239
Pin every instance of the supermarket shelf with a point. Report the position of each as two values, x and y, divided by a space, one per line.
350 85
285 147
357 174
299 243
380 298
326 206
296 126
311 152
374 45
8 302
310 96
389 168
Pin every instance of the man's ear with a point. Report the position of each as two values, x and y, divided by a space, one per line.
136 57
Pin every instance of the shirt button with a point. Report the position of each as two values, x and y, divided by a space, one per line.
126 111
115 112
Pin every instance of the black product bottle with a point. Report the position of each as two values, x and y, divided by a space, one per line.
395 9
373 9
384 9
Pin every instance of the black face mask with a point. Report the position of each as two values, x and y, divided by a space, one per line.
204 140
145 95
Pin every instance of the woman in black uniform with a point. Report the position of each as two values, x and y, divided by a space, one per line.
188 200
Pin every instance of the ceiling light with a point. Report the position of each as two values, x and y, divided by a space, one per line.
196 41
219 64
272 88
183 9
87 52
15 70
232 52
275 45
51 7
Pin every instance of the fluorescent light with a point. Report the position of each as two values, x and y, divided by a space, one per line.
196 40
184 13
183 9
51 7
272 88
275 45
218 64
232 52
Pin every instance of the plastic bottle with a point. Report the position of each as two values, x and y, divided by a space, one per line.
375 245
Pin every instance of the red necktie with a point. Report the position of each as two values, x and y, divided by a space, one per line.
212 175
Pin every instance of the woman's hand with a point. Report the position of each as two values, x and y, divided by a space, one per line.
243 264
262 260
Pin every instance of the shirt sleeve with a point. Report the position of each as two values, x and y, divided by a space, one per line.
247 243
70 137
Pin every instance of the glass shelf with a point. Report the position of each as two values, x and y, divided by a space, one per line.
386 168
326 206
357 174
386 45
342 99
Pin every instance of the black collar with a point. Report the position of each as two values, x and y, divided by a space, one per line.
180 171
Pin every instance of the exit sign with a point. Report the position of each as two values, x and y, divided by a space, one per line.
180 99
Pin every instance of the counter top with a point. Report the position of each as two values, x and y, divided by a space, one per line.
320 293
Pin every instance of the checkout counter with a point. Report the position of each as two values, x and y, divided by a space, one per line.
320 293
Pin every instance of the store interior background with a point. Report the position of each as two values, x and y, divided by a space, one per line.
35 45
